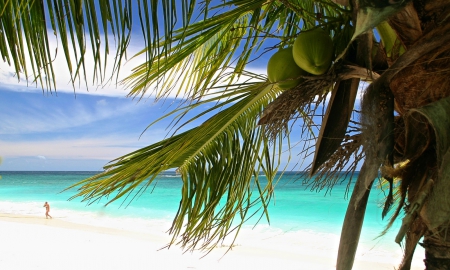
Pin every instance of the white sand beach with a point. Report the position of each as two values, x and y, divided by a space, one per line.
31 242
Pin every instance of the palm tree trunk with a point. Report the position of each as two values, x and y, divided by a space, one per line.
437 251
354 218
421 82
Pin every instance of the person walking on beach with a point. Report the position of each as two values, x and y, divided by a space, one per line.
47 209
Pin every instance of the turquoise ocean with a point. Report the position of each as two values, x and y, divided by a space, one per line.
295 211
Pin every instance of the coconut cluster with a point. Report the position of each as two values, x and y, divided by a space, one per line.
312 53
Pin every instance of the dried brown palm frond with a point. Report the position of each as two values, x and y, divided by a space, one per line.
341 166
303 99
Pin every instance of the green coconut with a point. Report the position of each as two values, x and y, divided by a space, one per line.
283 70
313 51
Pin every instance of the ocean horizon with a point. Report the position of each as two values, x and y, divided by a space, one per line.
296 213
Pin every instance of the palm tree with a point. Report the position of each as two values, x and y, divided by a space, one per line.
401 130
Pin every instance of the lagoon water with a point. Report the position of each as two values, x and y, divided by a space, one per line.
298 216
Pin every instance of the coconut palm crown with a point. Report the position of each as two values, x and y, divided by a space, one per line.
203 51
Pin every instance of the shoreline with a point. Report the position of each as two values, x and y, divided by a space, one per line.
33 242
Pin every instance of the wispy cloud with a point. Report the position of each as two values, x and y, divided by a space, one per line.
106 147
81 149
33 114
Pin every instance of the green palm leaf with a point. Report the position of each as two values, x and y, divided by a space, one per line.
228 39
24 36
228 144
223 44
220 160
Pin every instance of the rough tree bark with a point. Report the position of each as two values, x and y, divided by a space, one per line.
426 79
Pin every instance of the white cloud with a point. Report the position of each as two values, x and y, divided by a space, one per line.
9 79
102 103
104 148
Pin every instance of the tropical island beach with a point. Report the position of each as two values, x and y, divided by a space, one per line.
298 134
303 232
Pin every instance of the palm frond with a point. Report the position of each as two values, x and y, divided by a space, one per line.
171 32
225 42
221 158
24 38
219 161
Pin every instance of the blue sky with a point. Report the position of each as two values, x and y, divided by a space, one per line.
41 131
67 131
